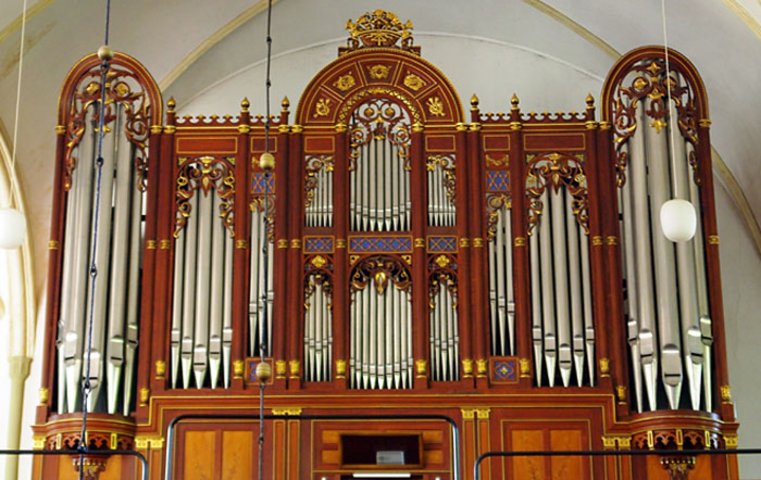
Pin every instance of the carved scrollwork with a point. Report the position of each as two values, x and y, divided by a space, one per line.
443 273
379 28
313 165
556 170
123 88
379 119
446 164
382 269
494 204
318 277
205 174
647 82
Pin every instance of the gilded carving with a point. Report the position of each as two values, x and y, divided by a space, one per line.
382 270
345 82
126 104
378 72
435 107
380 119
481 367
160 369
379 28
280 366
322 108
44 395
287 411
604 367
502 161
313 165
648 90
144 396
556 170
340 369
413 82
449 179
204 174
421 368
347 108
467 367
238 367
524 366
295 367
495 203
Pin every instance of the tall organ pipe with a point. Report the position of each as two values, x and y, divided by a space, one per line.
663 258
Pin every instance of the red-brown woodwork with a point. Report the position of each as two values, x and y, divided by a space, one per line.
505 413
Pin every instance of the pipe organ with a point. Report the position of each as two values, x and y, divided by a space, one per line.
507 270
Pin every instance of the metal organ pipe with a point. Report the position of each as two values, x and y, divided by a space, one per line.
548 290
559 240
665 282
642 245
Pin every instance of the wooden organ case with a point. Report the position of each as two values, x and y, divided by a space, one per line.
507 270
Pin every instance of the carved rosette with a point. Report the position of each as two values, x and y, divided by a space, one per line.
379 28
645 86
313 165
123 88
380 119
205 174
556 170
382 270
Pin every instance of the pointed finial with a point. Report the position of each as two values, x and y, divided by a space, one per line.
474 102
244 104
170 104
285 104
590 101
514 100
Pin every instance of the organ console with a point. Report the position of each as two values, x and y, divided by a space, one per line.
507 270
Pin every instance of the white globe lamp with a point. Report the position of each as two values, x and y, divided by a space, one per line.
12 228
678 220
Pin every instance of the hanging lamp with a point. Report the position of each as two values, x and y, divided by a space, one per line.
12 220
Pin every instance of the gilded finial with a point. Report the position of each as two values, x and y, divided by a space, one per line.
285 104
244 104
514 100
170 104
474 102
590 101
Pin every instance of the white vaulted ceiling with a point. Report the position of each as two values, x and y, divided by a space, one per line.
208 55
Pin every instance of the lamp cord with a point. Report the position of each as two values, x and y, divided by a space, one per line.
12 172
672 148
265 244
93 271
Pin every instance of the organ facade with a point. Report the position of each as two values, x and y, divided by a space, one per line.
405 257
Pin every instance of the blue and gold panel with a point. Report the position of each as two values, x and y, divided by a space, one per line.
318 244
443 244
497 181
258 186
503 370
250 372
386 244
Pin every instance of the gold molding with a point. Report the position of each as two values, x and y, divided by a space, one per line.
481 367
468 413
421 368
519 241
238 369
156 129
478 242
340 369
44 395
730 440
597 241
38 442
525 367
467 368
53 245
150 244
146 442
295 243
145 395
280 369
60 129
287 411
483 413
241 244
170 129
340 243
165 244
160 369
611 240
295 367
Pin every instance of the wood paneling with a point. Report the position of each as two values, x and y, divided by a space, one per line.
199 455
237 455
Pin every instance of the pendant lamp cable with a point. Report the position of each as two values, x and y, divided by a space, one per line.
672 148
105 55
263 341
12 170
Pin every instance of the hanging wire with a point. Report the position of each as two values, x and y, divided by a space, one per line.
265 244
93 271
18 106
672 149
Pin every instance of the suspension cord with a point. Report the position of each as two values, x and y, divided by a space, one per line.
672 148
93 270
263 340
12 168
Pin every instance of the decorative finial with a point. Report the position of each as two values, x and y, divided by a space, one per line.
514 101
590 101
379 28
244 104
474 102
170 104
105 53
285 104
